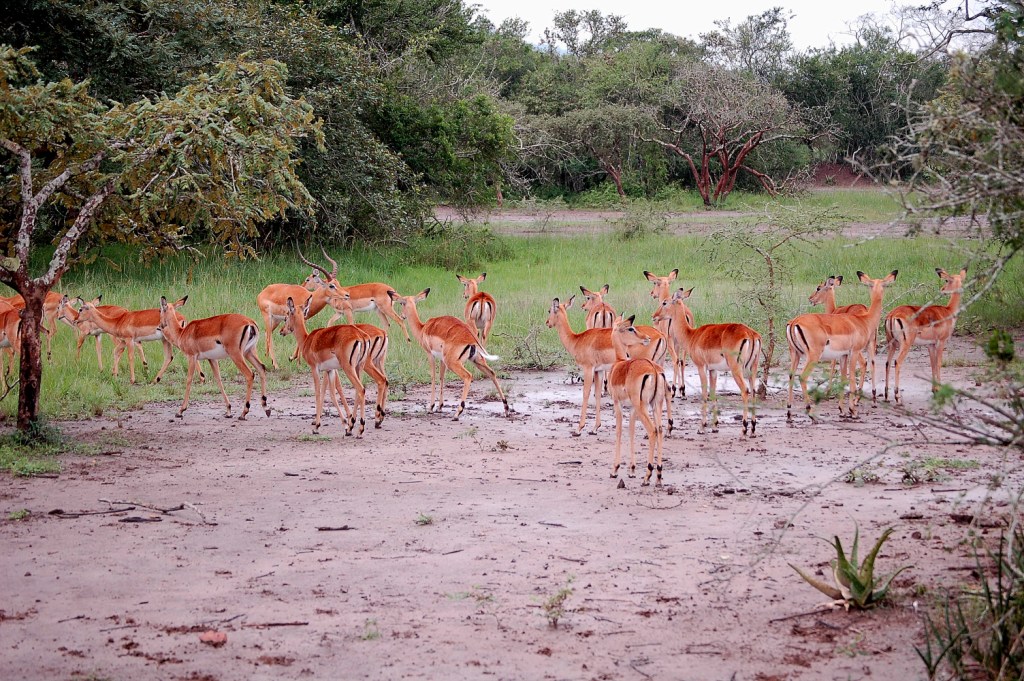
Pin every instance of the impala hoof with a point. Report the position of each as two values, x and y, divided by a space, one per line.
576 433
227 415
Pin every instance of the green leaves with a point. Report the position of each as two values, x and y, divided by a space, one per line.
856 585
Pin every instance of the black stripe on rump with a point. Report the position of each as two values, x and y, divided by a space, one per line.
643 384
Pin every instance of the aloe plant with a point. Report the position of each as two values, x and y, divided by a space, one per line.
855 584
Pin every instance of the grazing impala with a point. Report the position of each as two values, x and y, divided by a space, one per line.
480 306
67 313
909 325
233 336
825 295
834 336
452 341
133 327
366 297
662 291
273 303
713 348
643 384
330 350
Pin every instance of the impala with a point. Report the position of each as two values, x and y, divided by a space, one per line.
49 322
932 325
453 342
366 297
329 350
133 327
377 354
480 306
643 384
233 336
10 340
273 303
834 336
715 347
592 350
662 291
825 295
600 315
67 313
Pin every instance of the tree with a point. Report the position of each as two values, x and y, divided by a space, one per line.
218 156
715 119
758 46
606 133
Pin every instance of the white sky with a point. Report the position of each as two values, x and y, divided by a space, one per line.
814 22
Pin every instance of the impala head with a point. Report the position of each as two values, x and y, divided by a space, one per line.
340 299
403 303
328 277
664 310
67 313
877 284
625 333
556 309
593 298
87 309
662 285
818 297
169 313
313 281
469 286
952 283
293 320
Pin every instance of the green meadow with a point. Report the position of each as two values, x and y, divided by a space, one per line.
523 274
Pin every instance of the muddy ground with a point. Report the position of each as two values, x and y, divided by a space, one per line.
432 549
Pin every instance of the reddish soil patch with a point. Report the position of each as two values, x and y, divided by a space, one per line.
839 175
461 534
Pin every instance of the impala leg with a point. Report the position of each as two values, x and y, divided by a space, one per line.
812 361
640 411
936 361
78 346
443 374
467 379
192 364
753 395
703 373
433 379
381 380
120 345
360 400
99 352
617 407
588 380
269 324
794 362
168 356
890 349
131 361
737 375
713 380
597 404
668 404
873 350
318 397
387 310
487 371
897 364
145 363
632 440
215 368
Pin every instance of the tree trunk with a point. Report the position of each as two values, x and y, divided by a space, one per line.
30 374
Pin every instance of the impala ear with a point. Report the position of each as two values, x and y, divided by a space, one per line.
568 303
650 277
604 290
290 304
584 291
98 298
64 300
163 304
554 305
631 318
392 295
462 279
890 278
423 294
673 274
963 272
839 280
481 278
305 308
181 302
941 272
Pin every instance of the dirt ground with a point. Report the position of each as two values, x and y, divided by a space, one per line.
433 549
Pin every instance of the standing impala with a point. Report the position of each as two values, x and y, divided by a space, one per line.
600 315
67 313
132 327
909 325
662 291
273 303
10 340
713 348
480 306
366 297
825 294
231 336
834 336
453 342
643 384
330 350
49 325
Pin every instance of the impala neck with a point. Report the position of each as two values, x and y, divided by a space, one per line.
471 289
107 324
565 332
173 331
300 329
874 312
320 297
954 301
413 316
830 301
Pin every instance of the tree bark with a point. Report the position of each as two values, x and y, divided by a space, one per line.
30 374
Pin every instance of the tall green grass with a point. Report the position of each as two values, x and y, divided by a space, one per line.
529 274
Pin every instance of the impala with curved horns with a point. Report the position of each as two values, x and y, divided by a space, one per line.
480 307
931 326
642 383
713 348
215 338
364 297
453 342
328 351
662 291
814 336
273 303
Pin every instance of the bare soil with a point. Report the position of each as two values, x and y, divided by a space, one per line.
433 549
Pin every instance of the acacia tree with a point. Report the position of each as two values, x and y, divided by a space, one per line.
715 119
217 157
605 134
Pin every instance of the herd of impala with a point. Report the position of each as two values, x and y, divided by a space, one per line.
613 353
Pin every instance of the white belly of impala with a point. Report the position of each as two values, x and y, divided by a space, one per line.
217 352
830 353
720 365
924 341
368 307
157 335
437 354
331 364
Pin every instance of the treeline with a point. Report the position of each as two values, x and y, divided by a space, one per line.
426 101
